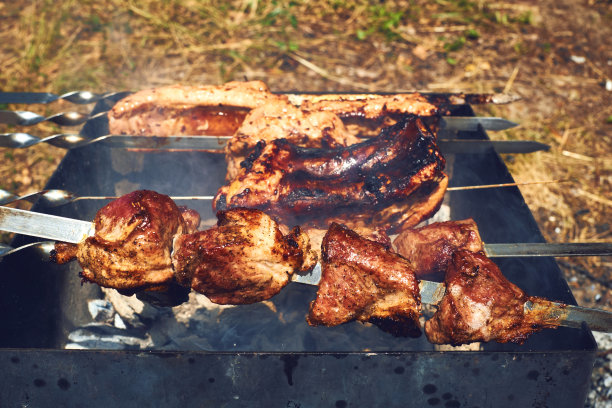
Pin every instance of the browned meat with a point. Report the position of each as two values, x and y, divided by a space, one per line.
281 120
191 218
480 304
298 185
430 248
188 110
370 106
133 241
316 235
220 109
244 259
418 206
63 252
362 280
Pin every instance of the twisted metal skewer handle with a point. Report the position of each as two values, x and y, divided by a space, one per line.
77 97
49 198
62 140
43 248
53 198
27 118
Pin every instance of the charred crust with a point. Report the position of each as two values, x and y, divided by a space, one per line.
254 155
221 202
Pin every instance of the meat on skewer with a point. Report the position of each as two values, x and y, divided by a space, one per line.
363 280
430 248
282 120
220 109
480 304
244 259
370 106
144 242
378 179
188 110
133 241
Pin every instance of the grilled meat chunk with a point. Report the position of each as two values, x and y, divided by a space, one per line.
63 252
298 185
480 304
281 120
244 259
430 248
133 241
362 280
370 106
316 235
188 110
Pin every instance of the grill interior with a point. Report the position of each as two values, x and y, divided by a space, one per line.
241 351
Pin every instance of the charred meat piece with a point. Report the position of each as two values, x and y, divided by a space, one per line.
363 280
480 304
298 185
132 245
370 106
244 259
281 120
188 110
430 248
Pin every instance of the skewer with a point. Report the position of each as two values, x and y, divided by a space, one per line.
26 118
76 97
54 198
44 248
217 143
516 184
86 97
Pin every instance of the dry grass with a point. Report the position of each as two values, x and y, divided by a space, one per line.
447 45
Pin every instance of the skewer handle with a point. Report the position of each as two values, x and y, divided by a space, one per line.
50 198
43 248
61 140
77 97
27 118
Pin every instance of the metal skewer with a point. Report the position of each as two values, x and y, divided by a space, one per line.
54 198
77 97
86 97
26 118
217 143
71 230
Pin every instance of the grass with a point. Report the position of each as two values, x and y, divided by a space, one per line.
96 45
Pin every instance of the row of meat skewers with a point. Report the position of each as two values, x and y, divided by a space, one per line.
144 242
295 162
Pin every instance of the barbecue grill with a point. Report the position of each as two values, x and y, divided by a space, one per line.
266 354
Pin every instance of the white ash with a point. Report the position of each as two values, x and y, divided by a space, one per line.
101 310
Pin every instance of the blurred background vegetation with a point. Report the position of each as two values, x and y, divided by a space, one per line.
555 54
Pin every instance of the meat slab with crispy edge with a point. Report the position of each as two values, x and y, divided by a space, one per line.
244 259
188 110
363 280
430 248
299 185
480 304
370 106
133 241
282 120
221 109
